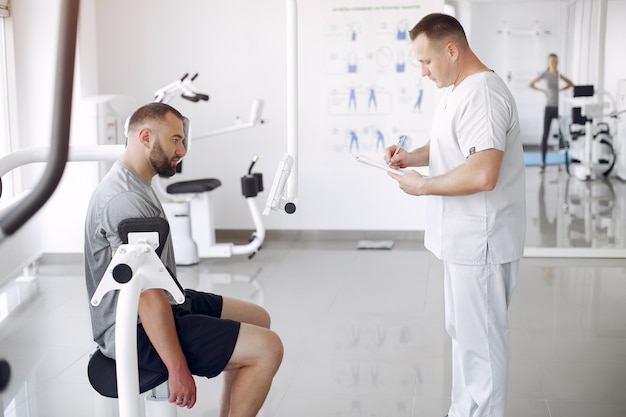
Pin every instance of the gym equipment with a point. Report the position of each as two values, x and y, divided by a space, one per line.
284 189
187 198
135 267
277 199
620 137
5 374
188 203
591 152
187 90
188 206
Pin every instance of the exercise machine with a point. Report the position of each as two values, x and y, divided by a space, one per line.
620 137
591 152
278 198
136 266
188 206
188 203
184 85
284 191
5 377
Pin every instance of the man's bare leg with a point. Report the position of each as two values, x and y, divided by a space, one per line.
255 315
227 387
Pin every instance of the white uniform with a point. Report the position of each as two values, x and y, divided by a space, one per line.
480 238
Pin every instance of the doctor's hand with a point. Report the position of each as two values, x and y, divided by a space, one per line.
396 160
412 182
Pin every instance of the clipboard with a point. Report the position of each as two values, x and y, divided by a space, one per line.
379 165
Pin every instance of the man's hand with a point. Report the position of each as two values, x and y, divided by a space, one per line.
157 319
416 158
182 388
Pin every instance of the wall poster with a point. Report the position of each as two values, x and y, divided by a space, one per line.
373 91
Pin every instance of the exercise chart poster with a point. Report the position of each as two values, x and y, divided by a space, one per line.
373 91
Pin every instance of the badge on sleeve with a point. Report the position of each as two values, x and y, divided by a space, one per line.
472 150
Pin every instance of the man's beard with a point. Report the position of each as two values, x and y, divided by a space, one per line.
160 162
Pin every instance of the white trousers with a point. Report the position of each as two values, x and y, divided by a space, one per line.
476 318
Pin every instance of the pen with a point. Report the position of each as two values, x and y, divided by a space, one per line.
398 146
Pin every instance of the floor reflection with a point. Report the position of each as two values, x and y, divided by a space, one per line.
565 212
363 332
16 293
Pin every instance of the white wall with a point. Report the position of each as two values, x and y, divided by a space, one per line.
502 35
238 47
615 68
142 45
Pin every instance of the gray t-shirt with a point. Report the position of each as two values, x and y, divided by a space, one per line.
552 88
122 194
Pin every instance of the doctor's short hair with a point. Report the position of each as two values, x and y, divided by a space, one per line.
151 111
440 27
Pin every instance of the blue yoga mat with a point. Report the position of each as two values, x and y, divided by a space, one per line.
533 158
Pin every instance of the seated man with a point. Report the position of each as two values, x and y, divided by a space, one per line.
207 334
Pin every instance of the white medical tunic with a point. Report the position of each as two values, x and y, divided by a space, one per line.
490 226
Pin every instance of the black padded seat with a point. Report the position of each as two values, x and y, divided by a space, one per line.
103 376
194 186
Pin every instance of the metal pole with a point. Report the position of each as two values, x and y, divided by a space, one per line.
292 96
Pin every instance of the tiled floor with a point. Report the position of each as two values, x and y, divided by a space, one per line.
362 329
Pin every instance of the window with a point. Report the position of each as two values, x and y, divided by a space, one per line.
6 141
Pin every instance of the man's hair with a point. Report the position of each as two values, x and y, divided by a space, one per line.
439 27
152 111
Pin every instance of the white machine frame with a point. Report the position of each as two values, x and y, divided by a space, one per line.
277 198
193 227
284 192
620 135
147 272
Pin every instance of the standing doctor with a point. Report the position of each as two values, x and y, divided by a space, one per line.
476 222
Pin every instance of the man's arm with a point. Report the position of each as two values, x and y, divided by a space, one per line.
479 173
157 319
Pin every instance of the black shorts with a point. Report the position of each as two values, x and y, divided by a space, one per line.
207 341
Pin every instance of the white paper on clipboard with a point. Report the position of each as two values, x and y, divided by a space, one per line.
380 165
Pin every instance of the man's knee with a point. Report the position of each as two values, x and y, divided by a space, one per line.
274 349
258 347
